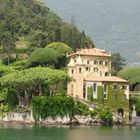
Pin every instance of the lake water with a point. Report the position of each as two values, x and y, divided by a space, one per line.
9 132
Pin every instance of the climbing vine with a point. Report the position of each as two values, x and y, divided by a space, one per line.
44 107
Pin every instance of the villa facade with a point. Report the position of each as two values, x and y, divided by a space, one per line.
91 80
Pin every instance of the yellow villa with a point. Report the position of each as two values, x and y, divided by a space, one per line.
90 72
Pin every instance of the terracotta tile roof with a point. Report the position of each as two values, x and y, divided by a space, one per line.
91 51
105 79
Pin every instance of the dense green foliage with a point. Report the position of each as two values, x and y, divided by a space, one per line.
33 81
8 44
3 109
90 93
81 109
118 62
20 63
54 106
54 55
62 48
38 39
100 94
135 101
44 57
7 69
119 101
115 100
132 74
36 23
44 107
3 94
105 116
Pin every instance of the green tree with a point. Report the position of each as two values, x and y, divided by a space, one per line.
32 81
8 44
62 50
135 101
44 57
118 62
38 39
38 24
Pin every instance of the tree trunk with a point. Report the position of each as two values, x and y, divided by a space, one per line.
19 98
40 88
55 89
26 98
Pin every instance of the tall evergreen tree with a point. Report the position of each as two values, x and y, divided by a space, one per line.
118 62
8 44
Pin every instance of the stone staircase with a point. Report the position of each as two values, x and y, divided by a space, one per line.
96 105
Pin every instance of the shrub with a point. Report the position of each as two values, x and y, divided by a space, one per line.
81 109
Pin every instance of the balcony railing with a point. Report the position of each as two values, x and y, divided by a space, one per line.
136 93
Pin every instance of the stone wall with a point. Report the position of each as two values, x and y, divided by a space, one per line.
136 120
17 117
14 117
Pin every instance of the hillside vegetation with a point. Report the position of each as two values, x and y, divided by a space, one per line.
133 75
33 23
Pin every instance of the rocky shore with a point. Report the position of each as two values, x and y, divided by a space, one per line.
27 118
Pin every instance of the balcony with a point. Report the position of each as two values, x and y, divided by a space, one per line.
134 93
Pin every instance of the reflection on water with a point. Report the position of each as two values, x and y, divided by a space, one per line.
19 132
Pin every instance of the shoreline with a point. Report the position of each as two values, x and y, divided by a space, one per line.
15 123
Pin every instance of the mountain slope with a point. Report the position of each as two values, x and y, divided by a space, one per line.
114 25
29 20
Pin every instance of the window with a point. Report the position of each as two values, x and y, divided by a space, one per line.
87 61
106 74
84 92
72 71
124 87
124 97
95 69
106 63
72 90
115 87
105 96
80 70
95 62
100 62
94 87
87 68
104 87
115 97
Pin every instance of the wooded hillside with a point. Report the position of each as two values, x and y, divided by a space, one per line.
34 24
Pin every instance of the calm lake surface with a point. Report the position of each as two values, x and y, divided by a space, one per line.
10 132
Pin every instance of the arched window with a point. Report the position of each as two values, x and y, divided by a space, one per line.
80 70
115 87
72 71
